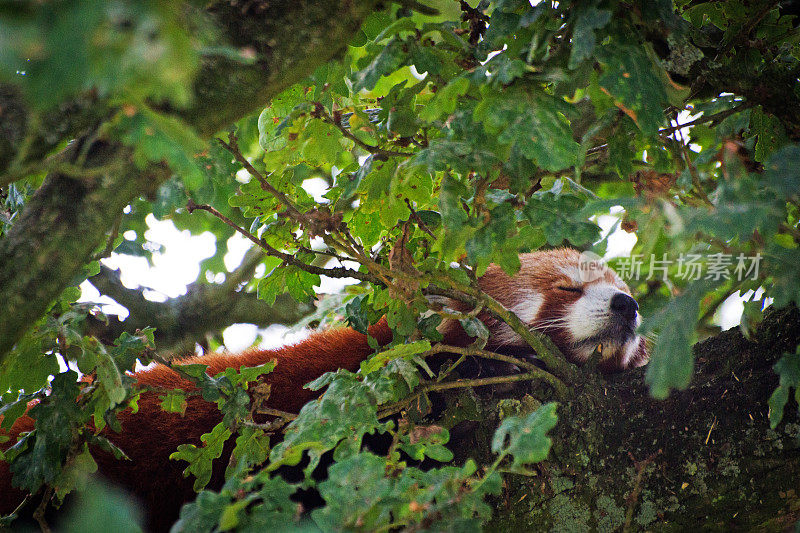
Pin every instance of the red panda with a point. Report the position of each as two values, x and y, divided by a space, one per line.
550 293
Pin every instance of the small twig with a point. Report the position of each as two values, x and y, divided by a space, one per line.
333 255
557 384
111 238
637 487
418 220
480 382
276 412
38 514
435 386
692 169
722 115
282 418
333 272
21 505
699 120
708 437
268 427
233 147
304 219
393 445
451 368
320 111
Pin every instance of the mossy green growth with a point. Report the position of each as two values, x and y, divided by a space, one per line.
560 484
464 406
608 514
569 516
508 407
513 407
647 513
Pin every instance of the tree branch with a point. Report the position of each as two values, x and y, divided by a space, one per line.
289 259
66 220
204 309
376 150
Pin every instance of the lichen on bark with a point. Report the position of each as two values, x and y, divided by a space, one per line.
705 456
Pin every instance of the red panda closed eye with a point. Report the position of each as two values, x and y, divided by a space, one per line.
550 293
577 301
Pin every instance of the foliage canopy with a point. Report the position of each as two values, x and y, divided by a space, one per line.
445 142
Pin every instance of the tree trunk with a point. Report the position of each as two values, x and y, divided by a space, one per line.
703 459
67 219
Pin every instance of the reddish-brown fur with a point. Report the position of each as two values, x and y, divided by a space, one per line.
151 435
542 272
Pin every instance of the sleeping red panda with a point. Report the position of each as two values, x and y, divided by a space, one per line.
549 293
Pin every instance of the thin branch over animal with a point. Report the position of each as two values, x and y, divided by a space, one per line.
583 316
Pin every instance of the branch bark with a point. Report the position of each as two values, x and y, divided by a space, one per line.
67 219
204 309
703 459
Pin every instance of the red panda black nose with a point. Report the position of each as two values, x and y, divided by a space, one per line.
624 305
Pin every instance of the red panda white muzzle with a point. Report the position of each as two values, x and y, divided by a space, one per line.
551 293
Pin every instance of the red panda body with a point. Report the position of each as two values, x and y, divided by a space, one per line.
545 294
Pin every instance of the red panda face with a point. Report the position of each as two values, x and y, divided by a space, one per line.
581 311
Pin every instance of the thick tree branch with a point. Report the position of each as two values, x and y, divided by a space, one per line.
67 220
703 458
205 308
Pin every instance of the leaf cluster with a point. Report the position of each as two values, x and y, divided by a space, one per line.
439 144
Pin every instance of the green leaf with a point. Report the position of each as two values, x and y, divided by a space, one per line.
780 172
201 459
788 370
406 351
157 138
27 367
557 216
45 449
784 268
173 401
525 438
671 359
204 513
769 132
403 122
252 447
400 25
475 328
365 471
390 58
246 374
583 34
276 510
347 410
128 348
427 441
75 473
108 375
298 283
534 123
100 503
635 83
320 143
356 314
